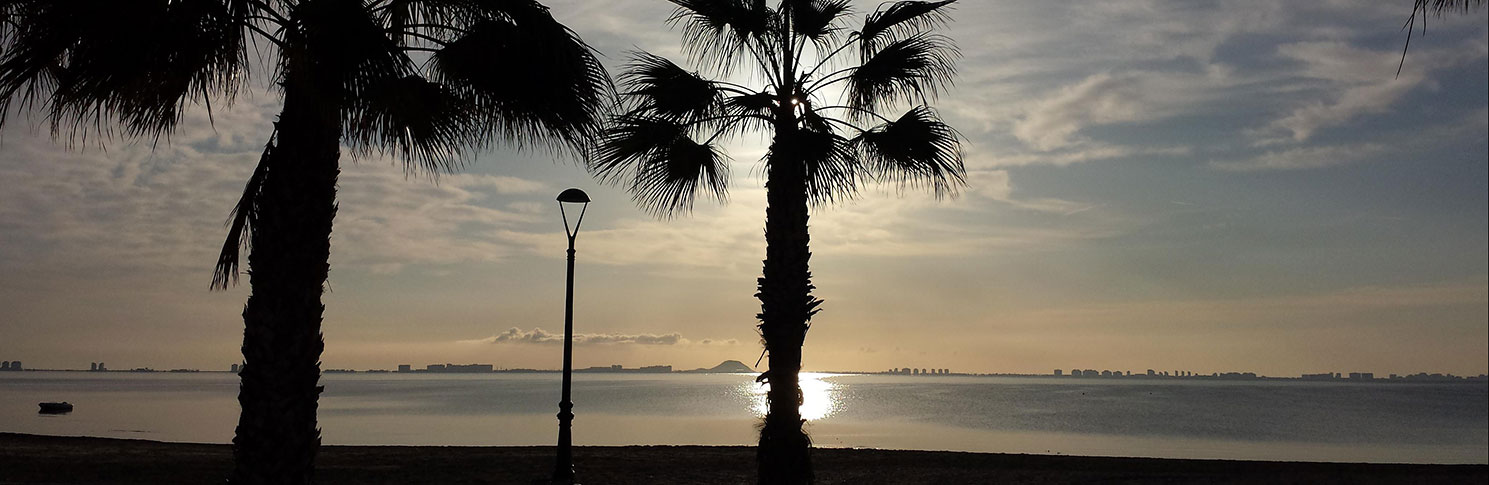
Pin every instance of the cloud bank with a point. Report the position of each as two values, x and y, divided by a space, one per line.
516 335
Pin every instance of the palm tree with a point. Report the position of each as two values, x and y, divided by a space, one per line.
426 81
665 145
1421 9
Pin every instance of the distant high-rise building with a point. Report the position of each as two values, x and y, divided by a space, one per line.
1059 372
15 365
5 365
1150 372
405 368
233 368
93 366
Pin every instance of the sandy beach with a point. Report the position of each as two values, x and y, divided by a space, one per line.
51 459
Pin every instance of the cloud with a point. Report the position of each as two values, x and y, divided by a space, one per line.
1390 145
1263 311
501 184
1356 82
1057 121
134 209
995 185
516 335
1099 99
387 221
1302 158
1083 152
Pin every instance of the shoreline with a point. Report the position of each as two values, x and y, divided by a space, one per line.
26 458
1420 378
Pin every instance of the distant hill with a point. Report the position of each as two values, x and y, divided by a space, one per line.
726 367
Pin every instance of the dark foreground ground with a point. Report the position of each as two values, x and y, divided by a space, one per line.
51 459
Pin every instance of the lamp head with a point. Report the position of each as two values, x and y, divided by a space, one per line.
573 195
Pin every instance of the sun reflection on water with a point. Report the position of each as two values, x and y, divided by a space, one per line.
819 398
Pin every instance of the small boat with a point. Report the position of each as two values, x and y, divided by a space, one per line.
55 408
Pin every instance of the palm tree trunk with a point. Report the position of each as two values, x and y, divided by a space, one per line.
277 437
784 455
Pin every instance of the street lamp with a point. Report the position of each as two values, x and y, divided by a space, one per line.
563 470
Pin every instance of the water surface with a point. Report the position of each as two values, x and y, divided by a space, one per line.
1269 420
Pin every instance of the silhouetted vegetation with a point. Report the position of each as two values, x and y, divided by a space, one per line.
665 147
1421 9
422 80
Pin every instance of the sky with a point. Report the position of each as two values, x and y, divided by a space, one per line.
1207 186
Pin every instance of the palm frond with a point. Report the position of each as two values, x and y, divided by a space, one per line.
899 19
660 87
420 122
831 165
913 68
425 22
916 150
529 79
758 104
241 223
717 32
342 47
1440 6
818 19
749 112
89 63
813 119
1420 9
666 168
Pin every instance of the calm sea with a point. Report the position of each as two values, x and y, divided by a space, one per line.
1268 420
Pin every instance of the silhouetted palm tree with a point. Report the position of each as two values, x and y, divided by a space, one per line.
422 80
1420 9
665 145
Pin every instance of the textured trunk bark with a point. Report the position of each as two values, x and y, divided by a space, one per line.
277 437
786 303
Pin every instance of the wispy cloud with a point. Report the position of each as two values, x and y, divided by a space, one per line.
1356 82
1099 99
516 335
995 185
1081 152
1302 158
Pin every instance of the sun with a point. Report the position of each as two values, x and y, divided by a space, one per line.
819 398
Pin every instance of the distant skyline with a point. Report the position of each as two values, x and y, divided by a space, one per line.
480 367
1202 185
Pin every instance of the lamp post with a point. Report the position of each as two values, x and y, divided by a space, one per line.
563 470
